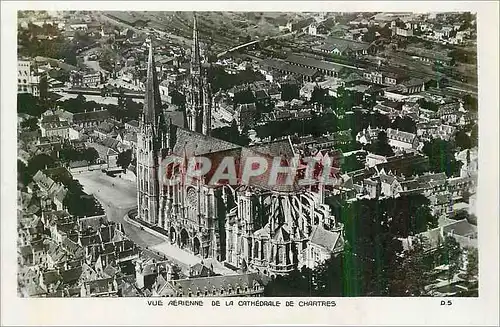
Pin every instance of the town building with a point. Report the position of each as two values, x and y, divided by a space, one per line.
28 80
343 47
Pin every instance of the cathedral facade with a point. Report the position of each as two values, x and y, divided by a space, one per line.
271 229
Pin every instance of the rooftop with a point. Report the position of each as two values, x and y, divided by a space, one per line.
314 63
284 66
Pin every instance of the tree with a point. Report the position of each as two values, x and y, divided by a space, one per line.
441 156
462 140
405 124
381 145
451 255
44 87
28 104
90 154
23 176
351 163
369 36
412 273
474 135
289 91
31 124
471 269
124 159
121 98
429 105
39 162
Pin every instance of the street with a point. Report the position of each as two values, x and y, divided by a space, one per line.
116 200
118 197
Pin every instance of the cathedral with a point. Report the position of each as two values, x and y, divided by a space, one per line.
271 229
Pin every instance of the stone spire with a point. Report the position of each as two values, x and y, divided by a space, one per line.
152 100
195 51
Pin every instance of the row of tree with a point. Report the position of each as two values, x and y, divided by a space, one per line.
69 154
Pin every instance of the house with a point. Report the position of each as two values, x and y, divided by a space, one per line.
269 65
431 130
132 125
373 160
105 287
430 56
371 187
299 25
389 185
55 128
343 47
312 30
28 80
368 135
461 230
88 118
245 115
406 32
324 243
402 140
324 67
147 271
238 285
441 204
78 79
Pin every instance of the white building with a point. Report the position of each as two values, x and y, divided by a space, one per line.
27 81
313 29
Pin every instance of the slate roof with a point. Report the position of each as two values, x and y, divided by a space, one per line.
177 118
72 275
200 270
280 147
55 124
51 277
344 44
100 286
26 251
324 238
34 289
462 228
388 179
313 63
216 283
98 115
191 143
284 66
406 137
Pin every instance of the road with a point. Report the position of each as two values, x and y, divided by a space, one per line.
95 98
118 196
117 200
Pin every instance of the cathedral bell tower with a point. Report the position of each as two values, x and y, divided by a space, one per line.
198 95
151 139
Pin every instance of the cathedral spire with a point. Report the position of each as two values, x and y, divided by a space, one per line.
195 50
152 100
